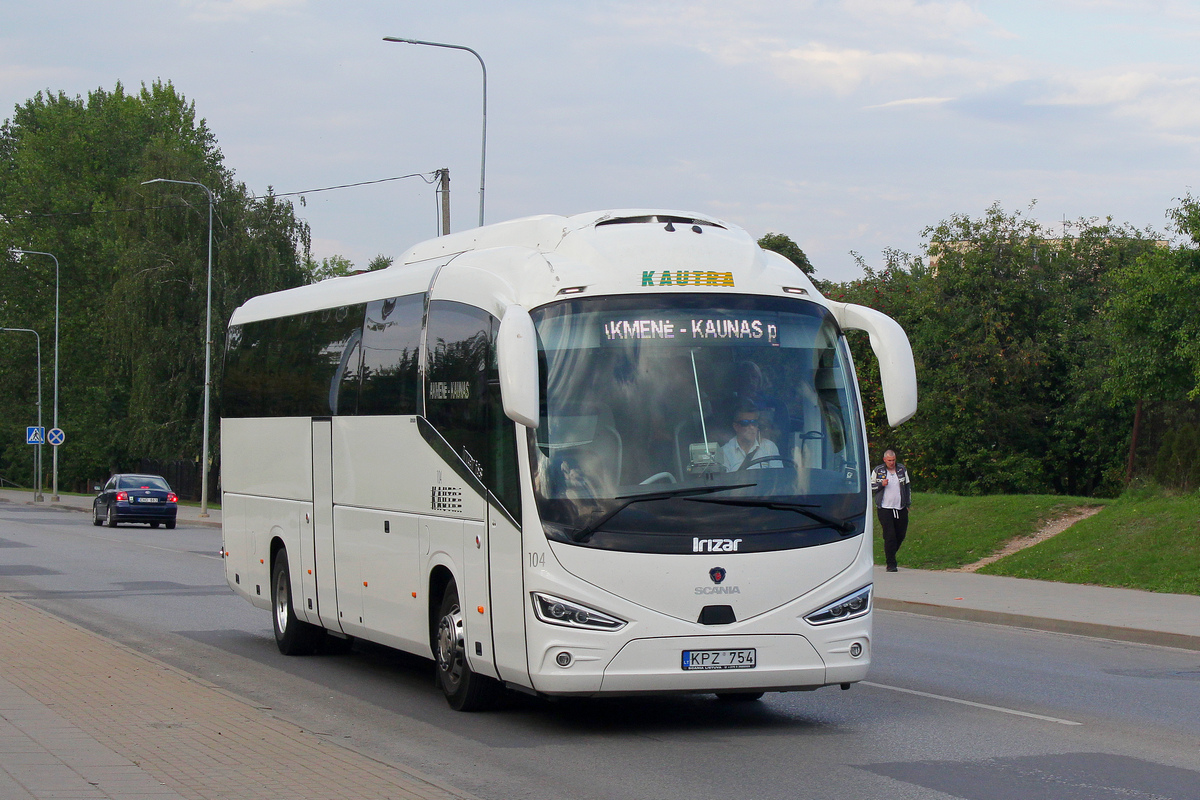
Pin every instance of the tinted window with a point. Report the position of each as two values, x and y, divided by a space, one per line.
303 365
391 344
462 396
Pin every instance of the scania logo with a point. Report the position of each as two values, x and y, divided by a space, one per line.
717 574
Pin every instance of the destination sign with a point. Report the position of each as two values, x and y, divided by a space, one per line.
749 330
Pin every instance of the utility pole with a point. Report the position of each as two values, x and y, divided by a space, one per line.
444 191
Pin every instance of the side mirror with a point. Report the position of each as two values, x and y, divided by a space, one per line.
517 356
897 370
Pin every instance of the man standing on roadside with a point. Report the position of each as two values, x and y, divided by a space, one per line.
893 495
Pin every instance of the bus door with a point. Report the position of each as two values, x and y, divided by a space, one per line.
504 555
320 557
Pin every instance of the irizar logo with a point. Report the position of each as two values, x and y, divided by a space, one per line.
715 545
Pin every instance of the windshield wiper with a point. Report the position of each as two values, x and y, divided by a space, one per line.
843 526
585 533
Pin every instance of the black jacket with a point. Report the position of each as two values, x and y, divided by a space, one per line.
877 476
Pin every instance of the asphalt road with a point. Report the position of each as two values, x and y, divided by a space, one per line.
951 709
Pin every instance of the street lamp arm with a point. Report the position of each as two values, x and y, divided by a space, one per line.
483 154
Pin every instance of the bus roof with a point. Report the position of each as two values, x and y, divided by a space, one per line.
537 258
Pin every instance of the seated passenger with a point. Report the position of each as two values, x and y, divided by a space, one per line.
748 444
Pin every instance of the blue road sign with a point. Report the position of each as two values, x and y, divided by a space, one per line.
35 435
55 437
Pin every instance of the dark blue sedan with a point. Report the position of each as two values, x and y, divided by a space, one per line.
135 498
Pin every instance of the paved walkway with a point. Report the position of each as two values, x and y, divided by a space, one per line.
85 717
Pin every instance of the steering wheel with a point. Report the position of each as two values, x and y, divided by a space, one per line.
657 477
763 459
812 435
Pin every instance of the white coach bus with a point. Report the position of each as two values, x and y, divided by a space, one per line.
604 454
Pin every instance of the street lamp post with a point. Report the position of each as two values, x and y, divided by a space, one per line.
207 344
483 154
37 457
54 454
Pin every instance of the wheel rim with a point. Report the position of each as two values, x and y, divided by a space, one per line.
450 648
111 516
283 601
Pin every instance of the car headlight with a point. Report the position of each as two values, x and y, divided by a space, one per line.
849 607
556 611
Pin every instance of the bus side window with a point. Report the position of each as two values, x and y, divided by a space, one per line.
462 396
391 345
286 367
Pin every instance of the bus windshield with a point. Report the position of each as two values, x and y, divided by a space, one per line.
674 421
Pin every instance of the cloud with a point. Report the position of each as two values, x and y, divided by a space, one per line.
236 10
914 101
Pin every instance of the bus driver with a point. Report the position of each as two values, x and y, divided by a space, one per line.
748 445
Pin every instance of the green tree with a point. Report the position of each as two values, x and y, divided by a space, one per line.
783 244
134 264
380 262
1154 335
334 266
1009 351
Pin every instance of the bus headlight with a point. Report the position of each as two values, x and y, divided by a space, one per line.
849 607
569 614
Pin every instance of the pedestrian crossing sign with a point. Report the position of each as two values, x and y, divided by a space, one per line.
35 435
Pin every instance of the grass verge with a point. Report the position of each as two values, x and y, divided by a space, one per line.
1151 544
948 531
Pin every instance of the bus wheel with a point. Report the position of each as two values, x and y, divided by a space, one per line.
295 637
465 690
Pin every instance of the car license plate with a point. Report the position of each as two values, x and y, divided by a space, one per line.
147 499
719 659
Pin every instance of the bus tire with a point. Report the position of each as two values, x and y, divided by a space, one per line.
293 636
465 690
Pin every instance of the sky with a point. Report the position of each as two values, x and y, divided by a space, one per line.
849 125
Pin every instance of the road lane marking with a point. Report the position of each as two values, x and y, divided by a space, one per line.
985 706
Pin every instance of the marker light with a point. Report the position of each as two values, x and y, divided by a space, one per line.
849 607
556 611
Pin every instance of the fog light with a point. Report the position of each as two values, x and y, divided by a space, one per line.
855 650
563 659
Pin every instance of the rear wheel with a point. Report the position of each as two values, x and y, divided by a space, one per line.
111 521
294 636
170 524
153 524
465 690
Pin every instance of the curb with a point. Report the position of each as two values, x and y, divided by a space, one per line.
1090 629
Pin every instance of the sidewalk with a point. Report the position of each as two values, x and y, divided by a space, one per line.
85 717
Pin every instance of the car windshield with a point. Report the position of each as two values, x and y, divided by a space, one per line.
681 417
142 482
